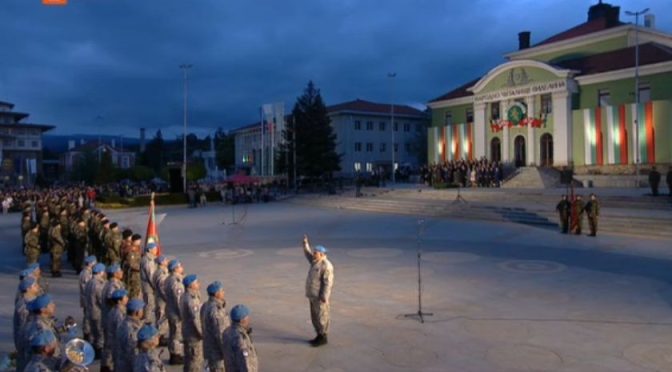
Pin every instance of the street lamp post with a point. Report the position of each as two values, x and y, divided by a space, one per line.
392 75
185 68
637 155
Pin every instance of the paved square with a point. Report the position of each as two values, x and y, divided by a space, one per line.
505 297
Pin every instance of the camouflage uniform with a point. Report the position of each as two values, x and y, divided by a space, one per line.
32 243
95 304
113 246
214 321
80 243
239 352
26 225
126 347
319 282
190 308
132 274
65 233
57 246
147 270
84 277
159 280
148 361
174 290
44 232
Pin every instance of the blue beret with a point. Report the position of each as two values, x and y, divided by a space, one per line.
215 287
24 273
33 268
161 259
150 246
26 283
239 312
320 248
147 332
174 264
189 279
119 294
98 268
135 304
43 337
40 302
113 268
90 260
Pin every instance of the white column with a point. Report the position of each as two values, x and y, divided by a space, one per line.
506 154
532 157
562 129
480 137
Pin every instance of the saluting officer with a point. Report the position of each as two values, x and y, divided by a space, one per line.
319 282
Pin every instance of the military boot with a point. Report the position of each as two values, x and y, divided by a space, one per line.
176 359
319 341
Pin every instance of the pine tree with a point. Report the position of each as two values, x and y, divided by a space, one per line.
314 139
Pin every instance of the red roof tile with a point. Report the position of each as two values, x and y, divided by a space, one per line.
585 28
362 106
649 53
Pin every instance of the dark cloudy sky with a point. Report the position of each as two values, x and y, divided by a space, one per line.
111 66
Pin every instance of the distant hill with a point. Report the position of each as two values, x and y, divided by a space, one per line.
59 143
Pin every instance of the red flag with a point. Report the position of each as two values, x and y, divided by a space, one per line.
152 229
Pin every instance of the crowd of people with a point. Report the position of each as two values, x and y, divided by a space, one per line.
134 300
465 173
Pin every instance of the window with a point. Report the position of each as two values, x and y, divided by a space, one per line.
358 125
383 147
369 125
396 127
396 147
418 128
358 146
494 110
546 104
644 93
407 146
358 166
34 144
407 127
448 118
369 167
470 115
603 97
20 143
381 126
369 147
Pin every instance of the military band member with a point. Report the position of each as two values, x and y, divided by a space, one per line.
239 352
44 345
29 291
126 347
214 320
592 212
43 310
192 333
319 283
148 358
563 209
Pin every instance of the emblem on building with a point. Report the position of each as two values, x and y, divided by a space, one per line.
517 77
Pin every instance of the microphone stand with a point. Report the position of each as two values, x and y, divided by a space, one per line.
420 314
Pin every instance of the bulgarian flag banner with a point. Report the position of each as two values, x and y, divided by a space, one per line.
152 234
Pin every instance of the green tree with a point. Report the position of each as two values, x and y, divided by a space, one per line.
154 155
315 140
106 171
196 170
225 148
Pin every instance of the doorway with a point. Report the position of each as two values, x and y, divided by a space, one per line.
519 148
495 150
546 150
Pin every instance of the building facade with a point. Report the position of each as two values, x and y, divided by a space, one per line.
20 146
364 138
566 101
122 159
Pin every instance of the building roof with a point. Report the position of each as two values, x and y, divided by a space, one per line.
458 92
43 127
3 103
367 107
649 53
18 116
599 24
93 146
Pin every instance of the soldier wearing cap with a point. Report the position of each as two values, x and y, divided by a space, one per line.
147 269
84 276
32 243
114 277
44 230
113 244
174 290
159 280
35 272
126 242
29 291
239 352
148 359
94 306
192 333
104 245
57 245
65 233
80 240
319 282
126 348
43 346
42 310
26 225
214 320
592 209
132 268
112 323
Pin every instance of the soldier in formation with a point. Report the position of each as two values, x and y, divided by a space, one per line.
126 347
592 209
192 333
112 322
239 351
319 283
214 320
84 277
44 345
563 209
93 294
148 359
174 291
577 215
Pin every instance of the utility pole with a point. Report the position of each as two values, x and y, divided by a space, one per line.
185 68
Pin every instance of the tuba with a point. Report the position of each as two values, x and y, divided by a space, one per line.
79 354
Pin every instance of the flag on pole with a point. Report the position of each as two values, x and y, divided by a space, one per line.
152 234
